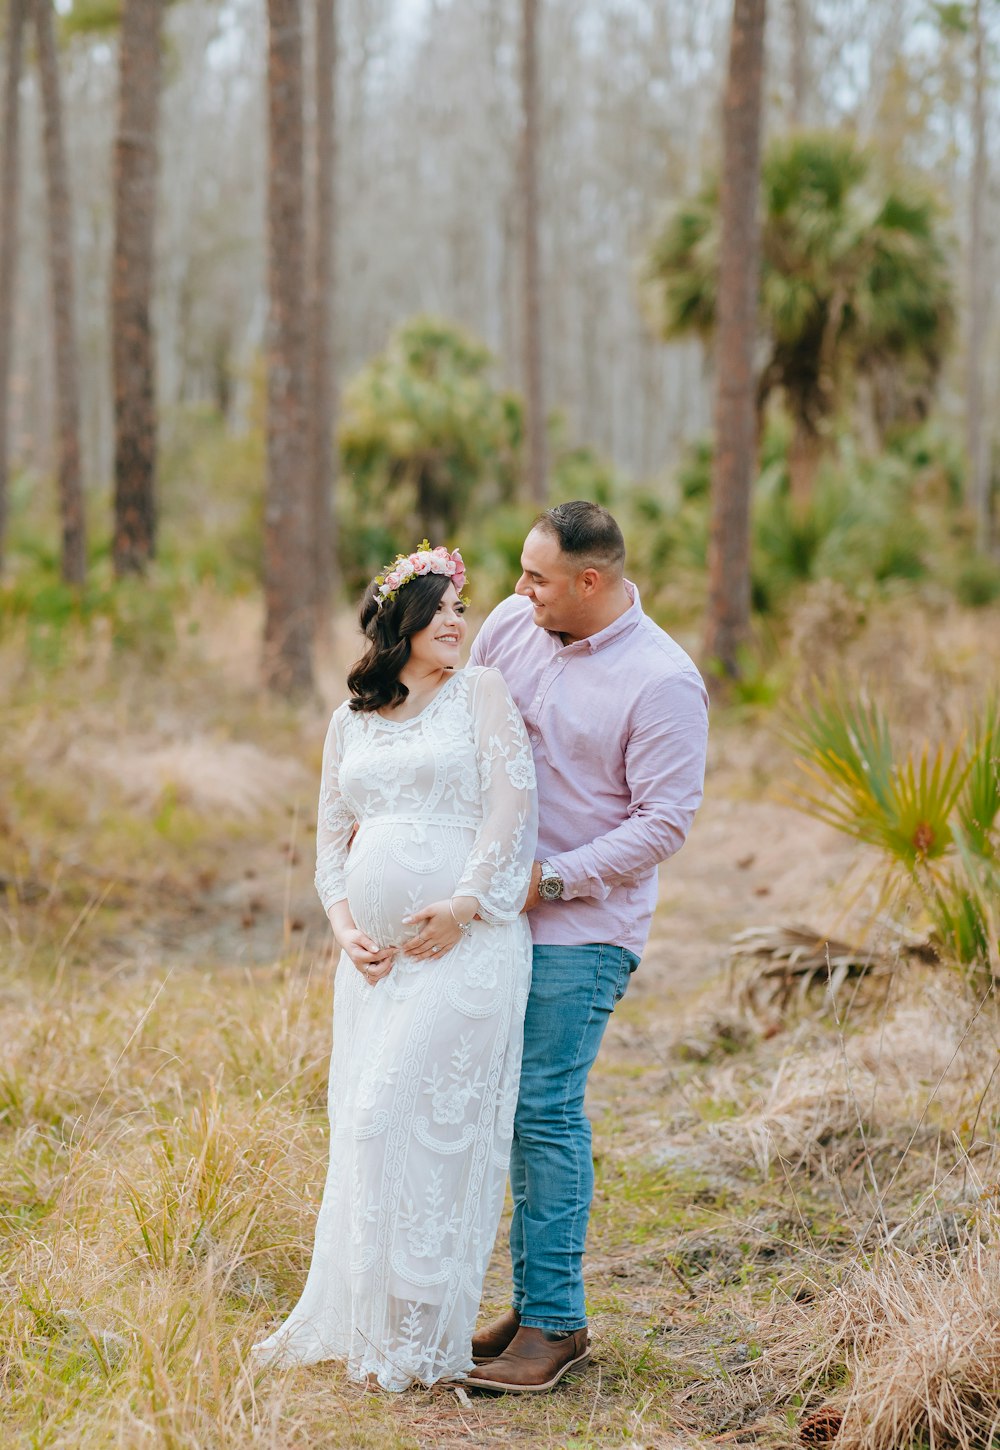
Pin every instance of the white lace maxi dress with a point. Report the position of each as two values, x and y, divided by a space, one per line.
425 1066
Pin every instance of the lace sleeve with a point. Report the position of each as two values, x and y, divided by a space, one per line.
335 821
498 868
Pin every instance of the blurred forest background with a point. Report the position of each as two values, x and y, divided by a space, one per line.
493 235
286 285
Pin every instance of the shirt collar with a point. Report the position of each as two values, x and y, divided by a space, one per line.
623 625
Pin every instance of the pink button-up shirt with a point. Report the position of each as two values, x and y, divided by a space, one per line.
618 725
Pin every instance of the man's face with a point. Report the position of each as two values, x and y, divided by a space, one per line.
549 581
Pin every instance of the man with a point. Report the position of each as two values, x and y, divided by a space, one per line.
617 715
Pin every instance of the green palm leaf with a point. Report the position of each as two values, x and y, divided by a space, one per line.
845 750
979 807
964 907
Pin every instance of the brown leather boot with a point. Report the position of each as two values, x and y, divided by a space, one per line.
531 1363
493 1340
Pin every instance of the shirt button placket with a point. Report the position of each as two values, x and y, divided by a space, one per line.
533 725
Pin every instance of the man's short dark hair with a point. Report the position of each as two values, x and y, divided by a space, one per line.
587 532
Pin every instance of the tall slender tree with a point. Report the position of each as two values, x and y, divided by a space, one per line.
288 544
10 191
132 351
976 435
531 281
67 373
734 461
322 414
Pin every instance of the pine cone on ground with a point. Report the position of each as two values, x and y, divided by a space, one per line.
822 1426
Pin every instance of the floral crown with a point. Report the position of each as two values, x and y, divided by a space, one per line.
424 560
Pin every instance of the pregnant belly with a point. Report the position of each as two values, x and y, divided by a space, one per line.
391 873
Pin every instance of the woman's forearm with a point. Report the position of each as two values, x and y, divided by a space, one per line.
340 919
464 908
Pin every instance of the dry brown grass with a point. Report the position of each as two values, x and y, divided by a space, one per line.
919 1062
790 1214
920 1345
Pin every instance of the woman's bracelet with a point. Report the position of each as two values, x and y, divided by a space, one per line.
464 926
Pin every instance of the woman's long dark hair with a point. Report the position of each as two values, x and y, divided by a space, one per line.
374 680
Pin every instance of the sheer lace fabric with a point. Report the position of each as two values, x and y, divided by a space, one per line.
425 1065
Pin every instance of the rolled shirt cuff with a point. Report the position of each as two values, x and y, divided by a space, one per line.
579 878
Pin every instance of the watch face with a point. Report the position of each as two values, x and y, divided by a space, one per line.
550 888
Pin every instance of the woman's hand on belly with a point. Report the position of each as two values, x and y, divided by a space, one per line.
372 962
439 926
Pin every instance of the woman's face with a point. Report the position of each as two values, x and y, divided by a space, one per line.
439 644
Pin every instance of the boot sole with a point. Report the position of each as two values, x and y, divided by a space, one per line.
502 1387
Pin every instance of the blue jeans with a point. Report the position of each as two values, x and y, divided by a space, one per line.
573 993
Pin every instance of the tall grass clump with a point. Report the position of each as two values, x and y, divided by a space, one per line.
157 1196
921 1350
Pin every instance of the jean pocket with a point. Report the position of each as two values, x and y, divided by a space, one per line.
625 970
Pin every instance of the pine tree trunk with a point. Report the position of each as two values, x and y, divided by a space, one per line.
532 273
288 542
67 374
132 353
976 435
323 411
10 189
734 462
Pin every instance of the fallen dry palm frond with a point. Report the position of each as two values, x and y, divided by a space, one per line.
795 958
922 1350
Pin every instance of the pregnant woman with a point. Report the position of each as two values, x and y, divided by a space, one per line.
433 767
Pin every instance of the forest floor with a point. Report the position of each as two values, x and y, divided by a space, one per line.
795 1187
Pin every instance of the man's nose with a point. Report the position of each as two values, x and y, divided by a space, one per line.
521 587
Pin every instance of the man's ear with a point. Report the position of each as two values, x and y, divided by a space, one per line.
589 582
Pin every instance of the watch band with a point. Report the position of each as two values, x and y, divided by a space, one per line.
550 884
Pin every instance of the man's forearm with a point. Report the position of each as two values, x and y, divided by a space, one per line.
618 858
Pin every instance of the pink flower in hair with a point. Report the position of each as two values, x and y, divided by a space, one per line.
424 560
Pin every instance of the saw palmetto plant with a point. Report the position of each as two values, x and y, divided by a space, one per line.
934 815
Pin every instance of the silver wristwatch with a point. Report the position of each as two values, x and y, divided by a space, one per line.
550 886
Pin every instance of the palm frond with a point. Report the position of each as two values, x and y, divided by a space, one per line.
924 797
844 747
964 907
979 806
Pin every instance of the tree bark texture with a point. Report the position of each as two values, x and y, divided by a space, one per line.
323 376
534 386
288 541
977 441
66 356
132 350
10 188
734 462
